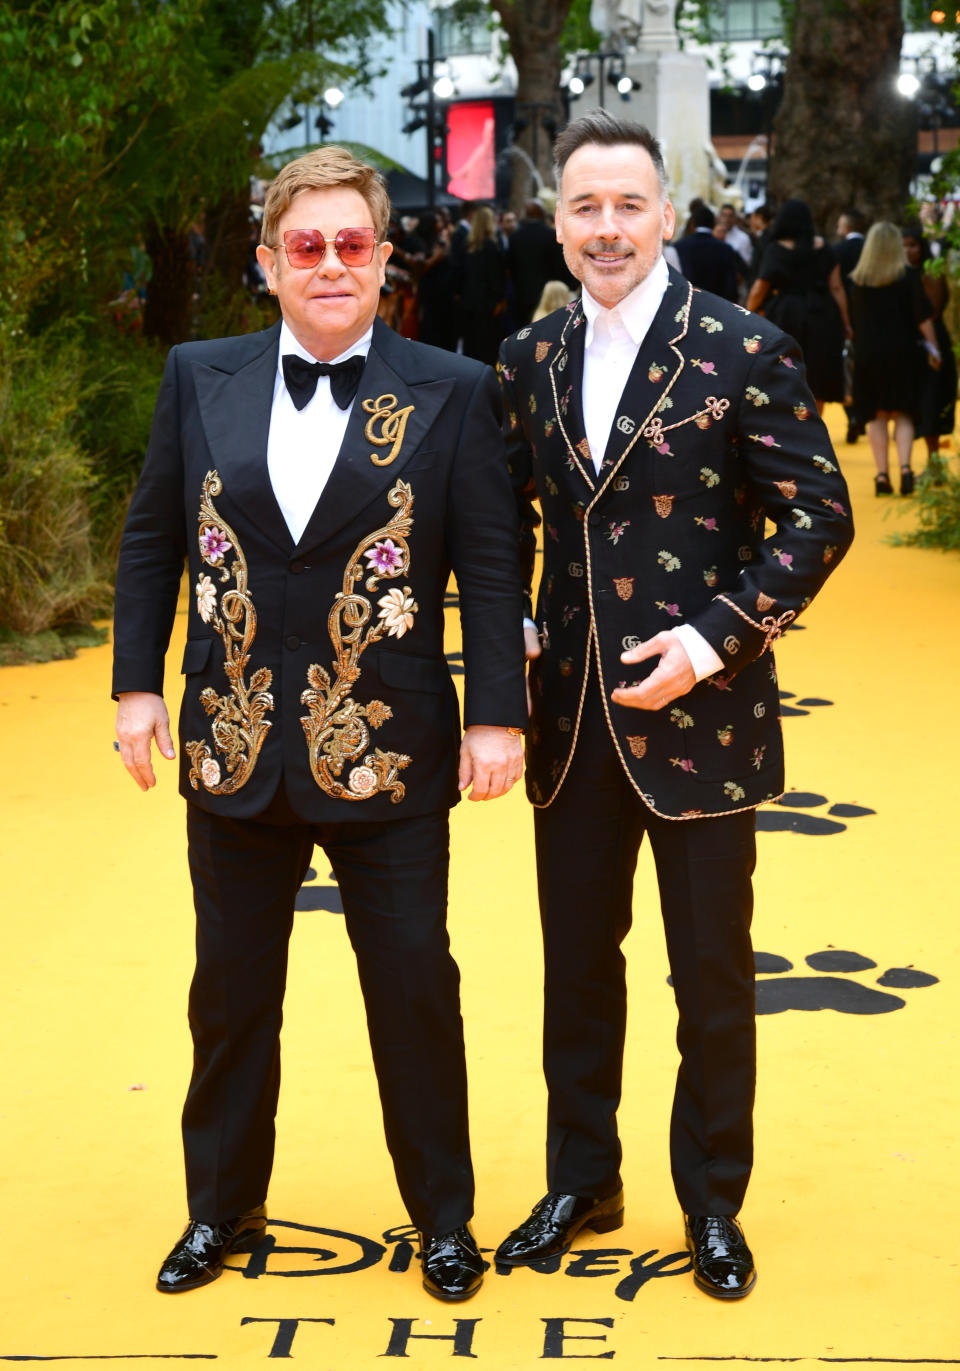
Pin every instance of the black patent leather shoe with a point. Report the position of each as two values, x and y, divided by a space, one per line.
722 1261
452 1264
555 1222
198 1257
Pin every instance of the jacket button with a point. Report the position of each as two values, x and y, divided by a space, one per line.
297 567
293 642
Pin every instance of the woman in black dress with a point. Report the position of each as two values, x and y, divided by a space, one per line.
483 288
798 288
890 313
938 389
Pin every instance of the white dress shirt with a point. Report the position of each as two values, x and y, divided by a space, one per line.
612 341
303 444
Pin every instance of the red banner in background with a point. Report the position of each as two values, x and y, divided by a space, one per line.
470 150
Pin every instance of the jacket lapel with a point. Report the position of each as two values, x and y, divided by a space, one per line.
235 410
566 381
645 403
389 419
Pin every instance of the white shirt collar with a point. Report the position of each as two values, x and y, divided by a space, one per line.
290 343
633 314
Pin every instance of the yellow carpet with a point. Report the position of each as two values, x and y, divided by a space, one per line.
853 1212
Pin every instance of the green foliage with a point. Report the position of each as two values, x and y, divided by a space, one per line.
938 514
82 85
48 574
578 33
53 645
120 121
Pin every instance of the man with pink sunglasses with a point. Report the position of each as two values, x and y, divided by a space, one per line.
322 479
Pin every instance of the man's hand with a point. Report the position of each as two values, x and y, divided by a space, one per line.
491 759
141 717
673 675
532 648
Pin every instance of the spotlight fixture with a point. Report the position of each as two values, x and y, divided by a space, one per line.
333 96
443 88
757 82
908 84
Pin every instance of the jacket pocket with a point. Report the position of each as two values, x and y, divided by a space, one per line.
196 654
413 673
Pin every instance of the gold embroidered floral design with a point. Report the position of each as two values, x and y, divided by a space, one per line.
337 727
239 727
393 425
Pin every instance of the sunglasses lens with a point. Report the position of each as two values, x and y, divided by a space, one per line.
305 247
355 246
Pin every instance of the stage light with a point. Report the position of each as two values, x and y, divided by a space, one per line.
333 97
757 82
908 84
576 85
443 88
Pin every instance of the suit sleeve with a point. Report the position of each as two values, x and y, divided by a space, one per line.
520 469
152 552
793 480
482 542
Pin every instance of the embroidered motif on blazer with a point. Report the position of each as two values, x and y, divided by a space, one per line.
393 425
337 727
239 727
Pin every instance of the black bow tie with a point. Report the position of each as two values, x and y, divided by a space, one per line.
301 378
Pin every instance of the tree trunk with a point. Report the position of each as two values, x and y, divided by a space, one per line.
844 136
227 226
533 28
168 307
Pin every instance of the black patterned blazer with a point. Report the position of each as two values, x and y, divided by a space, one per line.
717 434
324 660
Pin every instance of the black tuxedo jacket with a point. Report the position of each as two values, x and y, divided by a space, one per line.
717 433
710 263
323 661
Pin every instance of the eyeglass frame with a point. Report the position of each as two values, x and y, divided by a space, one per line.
329 243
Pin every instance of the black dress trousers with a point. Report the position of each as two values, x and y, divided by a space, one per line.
393 884
587 841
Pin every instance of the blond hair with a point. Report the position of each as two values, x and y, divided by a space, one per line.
555 295
325 168
482 228
883 259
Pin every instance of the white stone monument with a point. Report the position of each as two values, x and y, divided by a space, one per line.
674 95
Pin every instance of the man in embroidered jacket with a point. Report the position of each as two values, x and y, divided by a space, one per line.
660 428
318 708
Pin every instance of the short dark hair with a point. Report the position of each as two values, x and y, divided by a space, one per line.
703 216
856 219
602 128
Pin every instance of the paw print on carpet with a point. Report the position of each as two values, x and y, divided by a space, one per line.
829 991
803 706
790 814
318 896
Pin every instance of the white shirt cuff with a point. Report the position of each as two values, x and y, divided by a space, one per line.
703 659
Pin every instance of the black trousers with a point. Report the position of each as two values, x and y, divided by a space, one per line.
393 884
587 845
